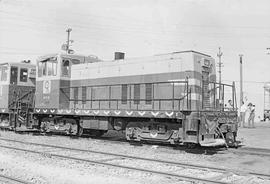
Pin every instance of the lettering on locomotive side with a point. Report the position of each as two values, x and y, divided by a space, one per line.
46 87
46 91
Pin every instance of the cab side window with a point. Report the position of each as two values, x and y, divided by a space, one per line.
50 68
13 75
47 67
65 68
44 68
4 74
54 68
39 69
23 75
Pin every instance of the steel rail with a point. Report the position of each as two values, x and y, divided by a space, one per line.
252 151
122 155
182 177
12 180
187 165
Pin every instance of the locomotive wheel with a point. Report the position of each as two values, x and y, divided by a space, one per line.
4 123
230 139
190 145
43 127
96 133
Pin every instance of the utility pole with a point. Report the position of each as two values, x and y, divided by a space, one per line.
241 79
219 54
68 41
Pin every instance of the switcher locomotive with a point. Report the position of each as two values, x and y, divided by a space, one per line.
172 98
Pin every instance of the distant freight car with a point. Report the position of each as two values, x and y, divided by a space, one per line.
170 98
17 91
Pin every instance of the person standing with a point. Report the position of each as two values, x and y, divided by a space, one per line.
230 104
251 117
243 110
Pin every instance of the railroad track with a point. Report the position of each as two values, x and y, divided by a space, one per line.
197 150
8 179
252 151
204 150
113 159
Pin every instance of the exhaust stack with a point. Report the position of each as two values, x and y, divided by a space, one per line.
119 55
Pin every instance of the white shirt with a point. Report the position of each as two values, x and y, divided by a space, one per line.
243 108
253 109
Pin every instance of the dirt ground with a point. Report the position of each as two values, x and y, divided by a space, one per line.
258 137
41 169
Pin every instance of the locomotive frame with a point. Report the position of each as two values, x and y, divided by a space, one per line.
201 119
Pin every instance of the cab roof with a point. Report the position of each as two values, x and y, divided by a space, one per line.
19 64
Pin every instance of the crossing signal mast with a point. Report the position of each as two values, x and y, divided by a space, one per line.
220 64
66 46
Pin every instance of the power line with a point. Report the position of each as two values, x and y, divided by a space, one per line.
257 82
21 53
117 19
137 29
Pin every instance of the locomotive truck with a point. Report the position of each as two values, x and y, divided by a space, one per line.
172 98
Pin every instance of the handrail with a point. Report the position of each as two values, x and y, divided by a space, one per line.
119 84
214 97
20 97
173 99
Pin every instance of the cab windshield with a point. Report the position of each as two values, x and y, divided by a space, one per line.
47 67
3 72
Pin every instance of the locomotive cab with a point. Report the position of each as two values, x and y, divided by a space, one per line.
17 87
53 77
53 83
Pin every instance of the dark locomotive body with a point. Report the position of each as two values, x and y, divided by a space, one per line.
17 92
170 98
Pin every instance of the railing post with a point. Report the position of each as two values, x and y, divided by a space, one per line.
180 100
173 96
187 94
129 96
190 99
215 95
202 93
223 86
91 104
233 96
110 97
153 96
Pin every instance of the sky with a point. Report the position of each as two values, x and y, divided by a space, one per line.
31 28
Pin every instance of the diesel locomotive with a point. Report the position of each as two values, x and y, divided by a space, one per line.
17 92
172 98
